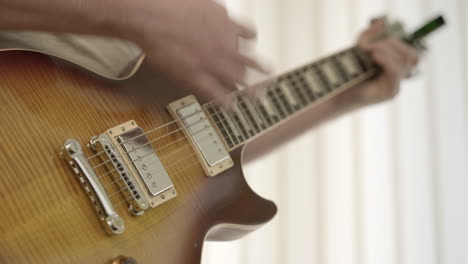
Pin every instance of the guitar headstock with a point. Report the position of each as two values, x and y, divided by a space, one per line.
415 39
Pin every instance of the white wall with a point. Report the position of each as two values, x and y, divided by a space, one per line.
385 185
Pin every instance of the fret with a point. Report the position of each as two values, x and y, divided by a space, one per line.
238 123
291 92
214 110
243 121
363 59
248 114
326 84
331 73
268 120
276 105
349 64
287 88
339 68
256 115
283 100
302 89
314 82
268 109
236 136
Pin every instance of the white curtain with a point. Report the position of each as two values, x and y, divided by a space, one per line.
386 185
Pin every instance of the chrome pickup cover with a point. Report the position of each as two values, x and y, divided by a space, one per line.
203 134
142 162
145 160
122 175
210 148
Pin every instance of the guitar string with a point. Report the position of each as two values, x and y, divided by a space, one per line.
150 152
207 106
272 83
122 203
161 147
149 142
167 134
166 167
217 122
120 190
110 171
187 146
170 165
130 197
148 165
210 105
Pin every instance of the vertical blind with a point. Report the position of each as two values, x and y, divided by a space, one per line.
388 184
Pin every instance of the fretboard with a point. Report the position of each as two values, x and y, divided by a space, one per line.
291 93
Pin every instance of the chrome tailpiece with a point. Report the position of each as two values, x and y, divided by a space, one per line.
73 154
129 163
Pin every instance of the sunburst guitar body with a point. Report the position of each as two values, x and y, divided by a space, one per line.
47 216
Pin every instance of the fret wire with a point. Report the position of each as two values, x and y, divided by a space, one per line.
248 114
362 60
284 101
285 88
327 87
350 64
244 118
292 91
237 132
220 120
314 83
258 118
282 113
330 74
229 129
296 83
341 70
303 86
220 125
277 114
240 124
256 107
261 102
241 129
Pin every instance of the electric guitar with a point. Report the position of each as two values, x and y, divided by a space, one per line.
100 171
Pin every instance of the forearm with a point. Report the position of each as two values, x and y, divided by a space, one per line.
103 17
330 109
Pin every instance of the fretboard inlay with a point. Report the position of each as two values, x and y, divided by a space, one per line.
290 93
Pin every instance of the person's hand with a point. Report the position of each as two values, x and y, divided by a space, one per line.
396 58
195 43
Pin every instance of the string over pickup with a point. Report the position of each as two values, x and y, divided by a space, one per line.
210 149
141 172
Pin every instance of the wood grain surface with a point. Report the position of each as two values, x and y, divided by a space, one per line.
46 216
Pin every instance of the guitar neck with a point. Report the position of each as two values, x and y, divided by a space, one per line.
290 93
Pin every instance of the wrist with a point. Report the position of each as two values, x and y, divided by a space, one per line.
352 99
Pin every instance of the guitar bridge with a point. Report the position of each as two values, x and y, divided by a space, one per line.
133 167
73 154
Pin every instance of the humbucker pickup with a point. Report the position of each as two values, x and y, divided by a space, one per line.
140 171
210 149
